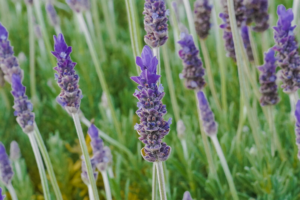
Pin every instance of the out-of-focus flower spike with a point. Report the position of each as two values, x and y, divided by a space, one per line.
180 129
155 23
202 11
297 126
207 116
52 15
79 5
267 80
257 12
15 152
247 43
187 196
6 171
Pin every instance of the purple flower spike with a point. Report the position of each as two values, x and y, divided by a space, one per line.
52 15
257 12
101 154
79 5
207 116
6 171
67 79
193 71
267 80
1 197
8 63
227 36
152 128
187 196
23 107
287 48
202 11
297 126
15 153
84 173
247 44
155 23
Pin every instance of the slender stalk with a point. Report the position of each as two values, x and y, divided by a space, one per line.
170 83
264 41
40 165
209 74
31 53
18 169
136 17
90 24
12 192
154 182
156 53
175 25
110 172
99 73
242 119
254 50
225 167
295 11
90 192
161 180
184 147
293 100
48 163
5 98
108 22
85 155
189 12
106 185
57 29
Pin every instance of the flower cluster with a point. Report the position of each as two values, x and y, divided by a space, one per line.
297 126
202 11
70 95
267 80
287 48
6 171
152 128
247 43
155 22
52 15
207 116
257 12
193 71
8 62
23 107
102 154
15 152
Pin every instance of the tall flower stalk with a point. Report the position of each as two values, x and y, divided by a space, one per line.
70 97
52 16
152 128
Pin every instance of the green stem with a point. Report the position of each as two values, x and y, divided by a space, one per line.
5 98
99 73
156 53
40 165
254 50
175 25
12 192
90 189
242 119
85 155
293 100
225 167
161 180
108 22
106 185
209 74
170 83
185 150
31 54
154 182
48 163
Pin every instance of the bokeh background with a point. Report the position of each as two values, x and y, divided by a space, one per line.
269 179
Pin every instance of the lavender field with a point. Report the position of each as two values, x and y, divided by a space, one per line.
149 99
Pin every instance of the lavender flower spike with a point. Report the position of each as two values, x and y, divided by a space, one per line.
257 12
155 23
6 171
23 107
297 126
152 128
227 36
287 48
67 79
84 174
187 196
193 71
1 197
247 44
202 11
207 116
8 62
267 80
15 152
52 15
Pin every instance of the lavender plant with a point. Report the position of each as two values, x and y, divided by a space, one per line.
257 12
85 177
202 11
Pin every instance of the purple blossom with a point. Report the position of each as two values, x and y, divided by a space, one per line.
187 196
247 43
84 173
267 80
287 48
67 79
155 23
101 154
227 36
202 11
6 172
193 71
52 15
297 126
23 107
1 197
207 116
15 152
257 12
152 128
8 63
